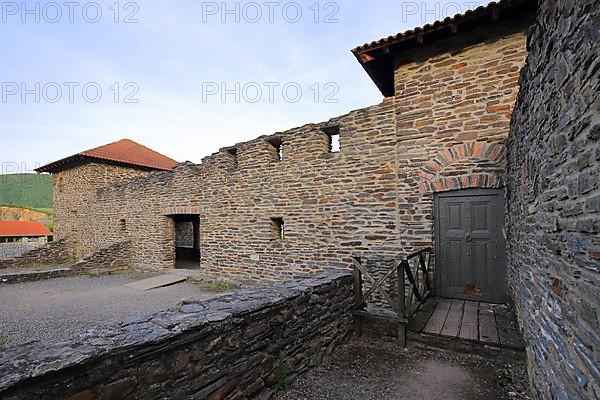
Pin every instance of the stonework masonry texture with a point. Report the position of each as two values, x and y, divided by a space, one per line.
57 252
373 196
446 128
554 200
239 346
453 107
74 199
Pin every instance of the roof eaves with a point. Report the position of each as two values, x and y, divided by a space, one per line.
126 163
376 57
26 234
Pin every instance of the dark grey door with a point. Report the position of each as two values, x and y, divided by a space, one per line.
470 253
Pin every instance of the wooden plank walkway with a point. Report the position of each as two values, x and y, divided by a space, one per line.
155 282
486 323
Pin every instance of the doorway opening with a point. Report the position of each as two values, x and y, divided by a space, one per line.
187 241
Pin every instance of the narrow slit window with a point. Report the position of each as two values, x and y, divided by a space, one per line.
333 137
277 143
278 228
123 224
234 153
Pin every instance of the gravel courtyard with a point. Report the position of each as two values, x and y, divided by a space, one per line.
55 309
364 369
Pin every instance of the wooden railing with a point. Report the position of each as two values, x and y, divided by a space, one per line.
417 267
403 304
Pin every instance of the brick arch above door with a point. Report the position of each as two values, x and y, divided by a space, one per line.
180 210
464 166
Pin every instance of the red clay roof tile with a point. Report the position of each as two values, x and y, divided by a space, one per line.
129 152
124 151
23 228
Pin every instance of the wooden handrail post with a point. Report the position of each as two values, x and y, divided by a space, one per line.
401 304
427 269
358 297
401 293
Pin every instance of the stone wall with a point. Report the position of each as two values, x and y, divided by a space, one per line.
73 194
53 253
331 203
184 234
235 346
15 249
116 256
554 201
445 129
113 258
453 110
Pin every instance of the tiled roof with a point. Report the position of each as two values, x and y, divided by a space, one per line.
23 228
376 57
124 152
130 152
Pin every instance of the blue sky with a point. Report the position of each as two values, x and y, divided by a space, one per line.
175 61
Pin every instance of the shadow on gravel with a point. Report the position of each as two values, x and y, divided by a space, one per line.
366 369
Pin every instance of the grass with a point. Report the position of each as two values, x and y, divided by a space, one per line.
4 341
219 285
282 372
47 211
44 266
215 285
26 190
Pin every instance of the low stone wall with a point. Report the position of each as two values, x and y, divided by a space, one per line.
113 258
236 346
35 275
53 253
12 250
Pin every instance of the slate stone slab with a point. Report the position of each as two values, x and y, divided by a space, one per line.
156 282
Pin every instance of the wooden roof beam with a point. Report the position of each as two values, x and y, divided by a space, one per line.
366 57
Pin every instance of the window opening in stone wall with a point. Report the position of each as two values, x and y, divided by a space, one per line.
123 224
234 153
277 143
333 136
278 228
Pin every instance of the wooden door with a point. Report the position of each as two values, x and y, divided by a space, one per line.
470 249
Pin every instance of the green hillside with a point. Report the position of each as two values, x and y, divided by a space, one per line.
26 190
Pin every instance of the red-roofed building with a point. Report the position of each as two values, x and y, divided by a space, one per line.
125 153
77 179
18 237
22 229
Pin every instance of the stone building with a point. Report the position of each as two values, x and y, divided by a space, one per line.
290 204
76 178
18 237
428 166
